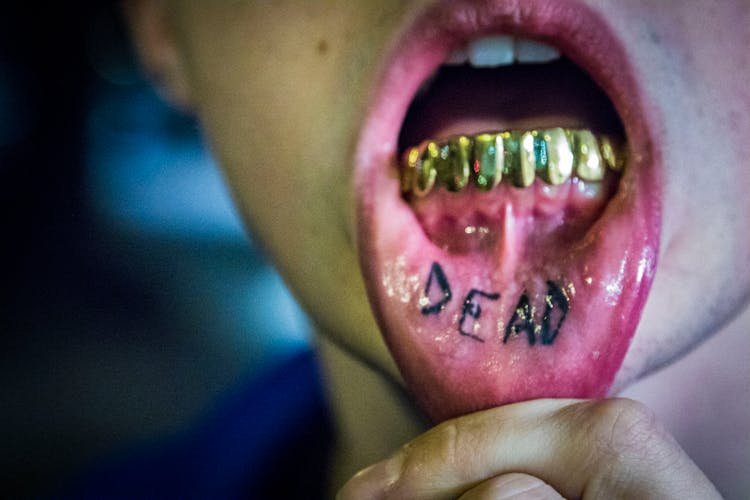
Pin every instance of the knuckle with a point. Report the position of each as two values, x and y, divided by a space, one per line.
446 439
630 448
440 449
627 430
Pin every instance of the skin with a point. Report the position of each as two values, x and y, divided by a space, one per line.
282 87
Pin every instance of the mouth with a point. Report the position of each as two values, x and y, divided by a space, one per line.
508 203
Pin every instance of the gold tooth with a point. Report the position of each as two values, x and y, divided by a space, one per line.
412 162
613 154
511 148
524 176
559 161
589 164
552 154
425 173
452 164
464 148
489 161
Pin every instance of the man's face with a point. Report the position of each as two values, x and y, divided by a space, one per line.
305 105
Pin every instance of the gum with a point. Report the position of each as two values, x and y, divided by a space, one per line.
474 221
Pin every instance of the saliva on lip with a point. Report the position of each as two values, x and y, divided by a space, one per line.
485 160
464 233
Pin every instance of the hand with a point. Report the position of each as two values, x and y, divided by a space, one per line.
613 448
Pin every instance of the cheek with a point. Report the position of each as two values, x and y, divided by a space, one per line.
281 107
280 142
697 79
694 57
710 127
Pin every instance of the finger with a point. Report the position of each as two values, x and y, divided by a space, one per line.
612 446
515 486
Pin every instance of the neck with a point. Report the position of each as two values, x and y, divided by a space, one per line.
372 416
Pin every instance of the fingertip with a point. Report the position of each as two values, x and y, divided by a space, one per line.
515 486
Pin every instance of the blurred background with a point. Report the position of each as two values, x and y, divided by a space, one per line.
146 340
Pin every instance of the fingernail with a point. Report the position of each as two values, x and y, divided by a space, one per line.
516 486
374 481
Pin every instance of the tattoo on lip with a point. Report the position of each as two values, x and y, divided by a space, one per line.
437 273
556 307
472 308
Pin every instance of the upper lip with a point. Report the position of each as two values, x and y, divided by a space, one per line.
579 32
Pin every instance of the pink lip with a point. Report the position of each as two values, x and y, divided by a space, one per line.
441 371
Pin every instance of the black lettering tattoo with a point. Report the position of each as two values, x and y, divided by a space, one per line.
521 321
472 308
555 311
556 308
437 273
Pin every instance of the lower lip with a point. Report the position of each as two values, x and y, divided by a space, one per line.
450 373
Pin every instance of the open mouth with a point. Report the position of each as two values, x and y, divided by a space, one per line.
508 204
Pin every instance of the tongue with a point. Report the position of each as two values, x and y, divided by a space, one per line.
493 298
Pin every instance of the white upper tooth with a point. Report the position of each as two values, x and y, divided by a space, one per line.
457 58
491 51
529 51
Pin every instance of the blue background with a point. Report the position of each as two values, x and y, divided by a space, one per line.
147 341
